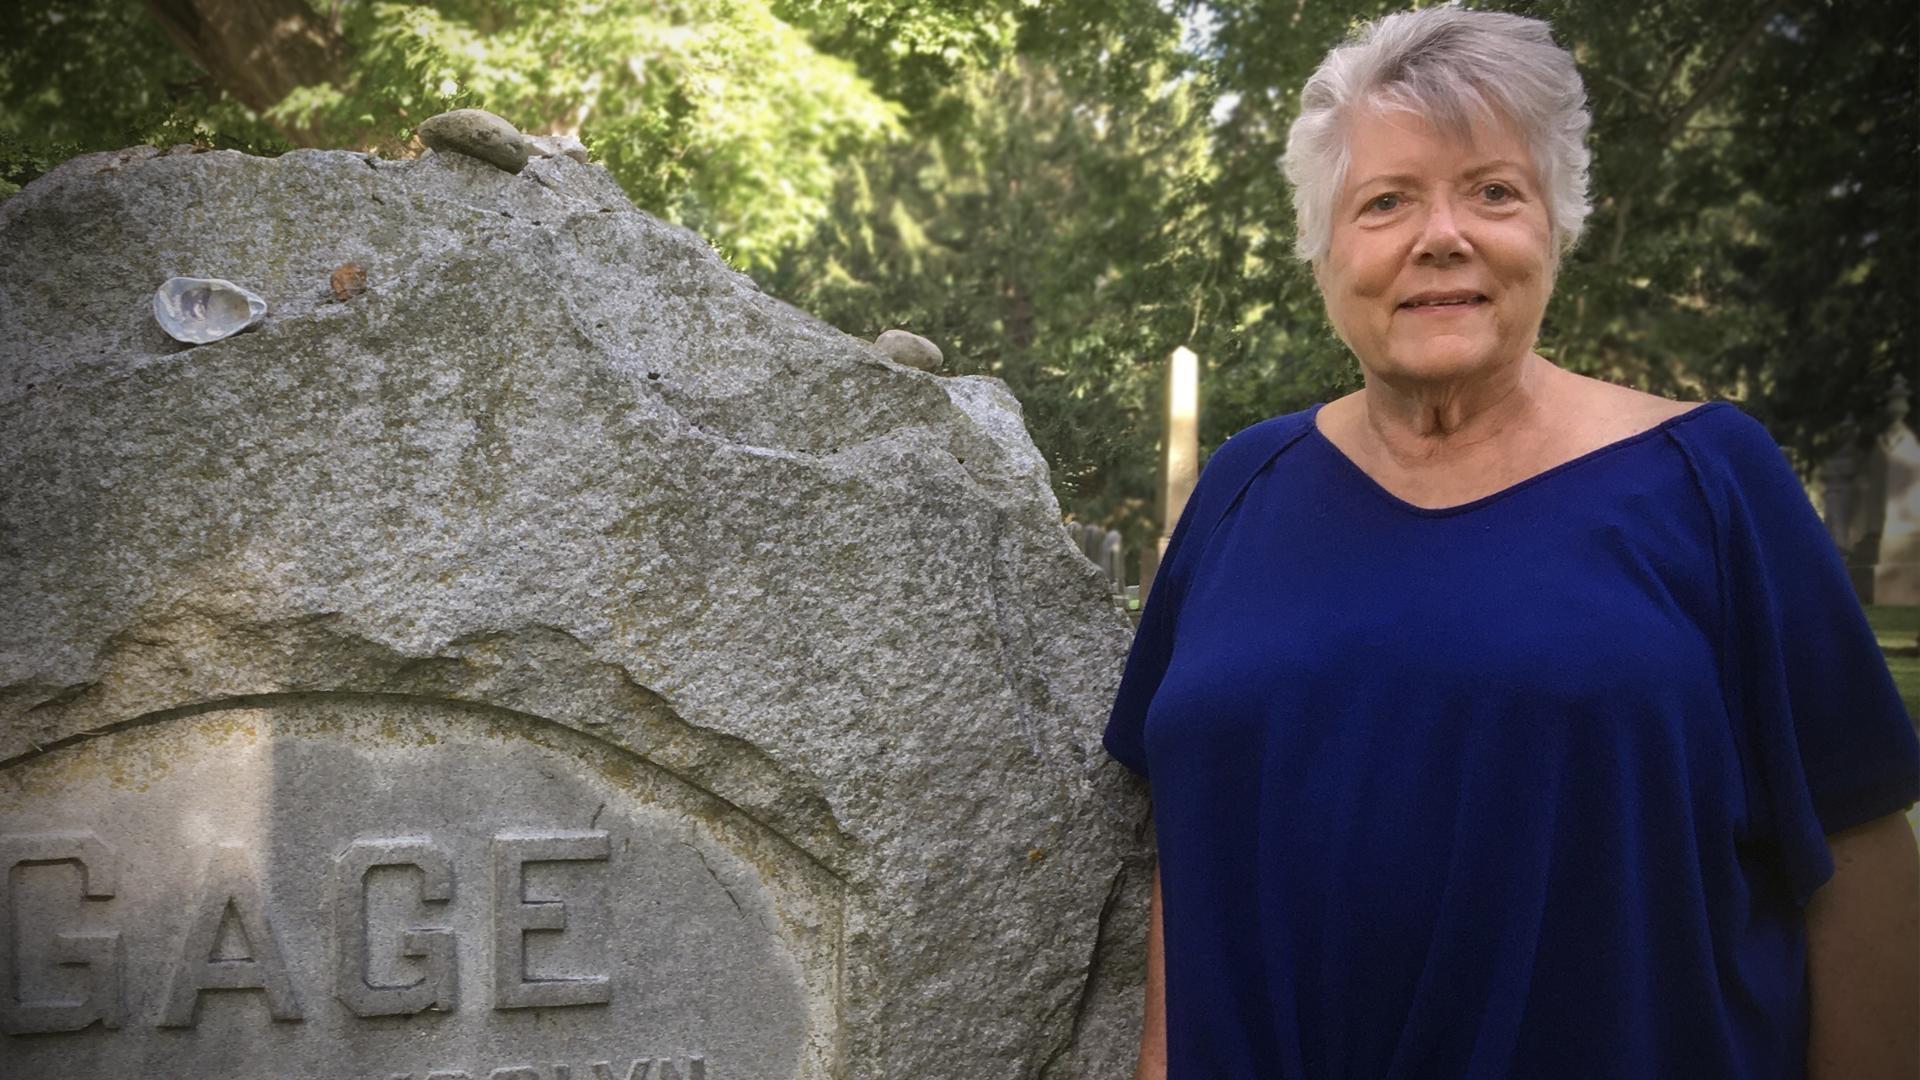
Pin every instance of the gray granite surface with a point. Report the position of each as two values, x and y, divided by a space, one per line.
559 660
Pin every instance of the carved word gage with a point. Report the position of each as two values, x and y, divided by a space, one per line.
232 894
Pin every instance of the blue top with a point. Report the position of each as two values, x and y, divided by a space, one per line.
1535 786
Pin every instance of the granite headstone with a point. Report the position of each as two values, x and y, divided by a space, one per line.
561 662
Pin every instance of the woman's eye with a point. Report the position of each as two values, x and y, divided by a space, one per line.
1380 204
1497 192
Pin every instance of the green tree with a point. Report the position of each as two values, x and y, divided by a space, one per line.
1060 193
714 113
1039 222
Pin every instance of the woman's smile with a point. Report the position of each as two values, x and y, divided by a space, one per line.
1454 303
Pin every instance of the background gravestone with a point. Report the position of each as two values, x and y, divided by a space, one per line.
558 661
1870 497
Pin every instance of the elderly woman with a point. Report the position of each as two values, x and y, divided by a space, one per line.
1501 722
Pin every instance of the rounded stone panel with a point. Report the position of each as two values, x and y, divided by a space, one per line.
365 886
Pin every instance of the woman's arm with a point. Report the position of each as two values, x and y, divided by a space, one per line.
1863 957
1153 1026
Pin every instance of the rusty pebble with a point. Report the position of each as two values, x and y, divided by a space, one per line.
348 281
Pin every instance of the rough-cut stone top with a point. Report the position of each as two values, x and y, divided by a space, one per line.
559 459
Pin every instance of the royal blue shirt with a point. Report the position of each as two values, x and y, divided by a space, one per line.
1535 786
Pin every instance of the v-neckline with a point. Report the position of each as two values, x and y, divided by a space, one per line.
1367 478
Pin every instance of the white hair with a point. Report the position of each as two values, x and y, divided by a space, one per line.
1452 67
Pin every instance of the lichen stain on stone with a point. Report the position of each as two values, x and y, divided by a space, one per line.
134 760
51 772
388 732
621 773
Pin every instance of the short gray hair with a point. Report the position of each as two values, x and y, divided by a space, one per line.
1451 66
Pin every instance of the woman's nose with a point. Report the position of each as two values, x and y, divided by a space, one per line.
1440 237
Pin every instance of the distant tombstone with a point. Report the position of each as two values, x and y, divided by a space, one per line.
1180 448
1870 500
1837 477
1896 562
1148 569
1111 562
387 692
1101 548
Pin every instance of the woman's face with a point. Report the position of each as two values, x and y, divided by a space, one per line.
1440 261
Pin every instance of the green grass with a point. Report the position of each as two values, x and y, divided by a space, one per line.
1906 675
1896 628
1901 622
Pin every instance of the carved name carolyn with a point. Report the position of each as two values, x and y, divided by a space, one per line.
374 887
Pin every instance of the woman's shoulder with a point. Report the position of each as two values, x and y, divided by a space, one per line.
1270 434
1246 451
1606 413
1243 456
1716 435
1729 446
1741 473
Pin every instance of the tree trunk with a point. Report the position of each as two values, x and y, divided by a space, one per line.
256 50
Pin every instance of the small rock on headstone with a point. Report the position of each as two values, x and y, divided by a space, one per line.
910 350
476 133
349 280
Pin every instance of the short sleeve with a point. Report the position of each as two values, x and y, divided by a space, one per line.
1220 486
1826 741
1147 661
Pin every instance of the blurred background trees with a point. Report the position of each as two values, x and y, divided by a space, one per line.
1060 193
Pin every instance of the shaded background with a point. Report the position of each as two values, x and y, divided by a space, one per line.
1060 193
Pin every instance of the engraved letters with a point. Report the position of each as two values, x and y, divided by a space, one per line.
102 955
230 886
232 907
437 989
324 886
515 916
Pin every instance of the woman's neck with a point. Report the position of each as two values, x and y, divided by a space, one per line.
1430 423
